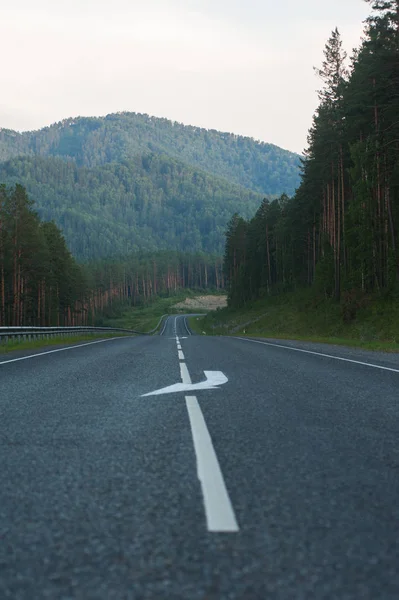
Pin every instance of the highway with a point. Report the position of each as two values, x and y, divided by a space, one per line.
190 467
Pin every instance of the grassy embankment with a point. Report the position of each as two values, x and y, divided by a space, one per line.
371 324
56 341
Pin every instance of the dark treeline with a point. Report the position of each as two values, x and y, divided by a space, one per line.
42 284
339 233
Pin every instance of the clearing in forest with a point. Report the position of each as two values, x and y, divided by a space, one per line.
208 302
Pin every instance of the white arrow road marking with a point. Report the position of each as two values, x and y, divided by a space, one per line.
212 381
185 375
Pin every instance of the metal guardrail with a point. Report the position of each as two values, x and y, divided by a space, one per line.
21 334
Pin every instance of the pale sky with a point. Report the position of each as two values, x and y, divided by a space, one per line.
243 66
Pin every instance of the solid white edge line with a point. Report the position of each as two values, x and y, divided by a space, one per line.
164 327
5 362
219 511
185 325
181 355
357 362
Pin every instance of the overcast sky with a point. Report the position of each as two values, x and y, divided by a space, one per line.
244 66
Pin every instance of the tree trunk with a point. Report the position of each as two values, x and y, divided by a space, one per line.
268 260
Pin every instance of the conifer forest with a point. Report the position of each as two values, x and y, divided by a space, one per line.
338 234
121 209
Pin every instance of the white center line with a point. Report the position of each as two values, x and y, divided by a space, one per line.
219 511
185 375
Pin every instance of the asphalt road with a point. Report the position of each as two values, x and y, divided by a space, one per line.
281 482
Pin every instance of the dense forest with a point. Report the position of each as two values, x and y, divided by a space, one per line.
127 182
92 142
42 284
118 203
339 233
149 203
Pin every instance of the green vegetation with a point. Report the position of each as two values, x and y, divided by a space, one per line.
338 235
145 318
200 325
149 200
150 203
301 317
42 284
93 142
56 341
133 183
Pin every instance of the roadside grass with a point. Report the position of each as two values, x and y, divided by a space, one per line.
56 341
196 325
375 325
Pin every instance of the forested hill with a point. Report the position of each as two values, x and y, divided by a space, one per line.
92 142
148 203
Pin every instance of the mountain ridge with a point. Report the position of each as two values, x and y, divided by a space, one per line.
92 141
131 182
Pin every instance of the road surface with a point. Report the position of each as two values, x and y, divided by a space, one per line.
199 468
